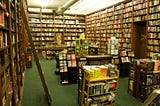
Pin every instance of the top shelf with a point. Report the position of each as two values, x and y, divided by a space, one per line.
101 79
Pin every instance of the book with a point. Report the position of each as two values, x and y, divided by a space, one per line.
1 17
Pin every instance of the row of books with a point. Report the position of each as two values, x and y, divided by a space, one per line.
3 39
35 29
33 25
69 29
135 2
32 15
33 20
154 9
136 13
140 12
92 72
45 25
8 92
46 29
102 87
127 15
140 18
70 38
149 65
105 100
46 20
153 2
72 63
154 42
127 20
153 35
153 79
140 6
71 57
154 29
154 16
47 16
63 65
118 12
154 48
46 34
154 22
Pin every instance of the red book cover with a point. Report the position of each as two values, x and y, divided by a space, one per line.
73 56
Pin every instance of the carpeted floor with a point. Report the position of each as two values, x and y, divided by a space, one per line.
62 95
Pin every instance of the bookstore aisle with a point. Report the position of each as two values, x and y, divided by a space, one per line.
63 95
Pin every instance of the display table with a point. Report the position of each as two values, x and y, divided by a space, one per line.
98 59
55 47
52 49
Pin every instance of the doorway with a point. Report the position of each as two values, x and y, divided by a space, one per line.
139 39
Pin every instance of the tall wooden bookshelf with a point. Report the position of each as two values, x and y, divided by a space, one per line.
12 53
48 27
153 27
120 20
143 78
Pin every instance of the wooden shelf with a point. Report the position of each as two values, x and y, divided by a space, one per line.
11 36
95 83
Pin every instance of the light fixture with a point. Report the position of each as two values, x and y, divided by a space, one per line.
43 3
89 6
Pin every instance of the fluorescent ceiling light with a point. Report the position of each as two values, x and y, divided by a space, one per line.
34 9
89 6
43 3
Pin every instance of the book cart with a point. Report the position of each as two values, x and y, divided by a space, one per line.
97 86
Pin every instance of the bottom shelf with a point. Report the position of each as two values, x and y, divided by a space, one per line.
101 100
21 90
9 100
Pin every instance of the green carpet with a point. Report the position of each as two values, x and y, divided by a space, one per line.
62 95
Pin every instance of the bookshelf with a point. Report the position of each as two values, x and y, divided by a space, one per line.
63 67
12 50
125 42
143 78
148 81
74 25
47 31
35 26
97 86
81 61
47 27
153 28
68 67
132 79
140 10
126 21
72 67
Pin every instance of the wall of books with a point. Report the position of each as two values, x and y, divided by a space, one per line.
117 21
12 53
47 27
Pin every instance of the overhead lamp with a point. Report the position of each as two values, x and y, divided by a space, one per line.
43 3
88 6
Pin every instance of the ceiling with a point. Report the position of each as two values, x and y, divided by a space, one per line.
71 6
52 4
